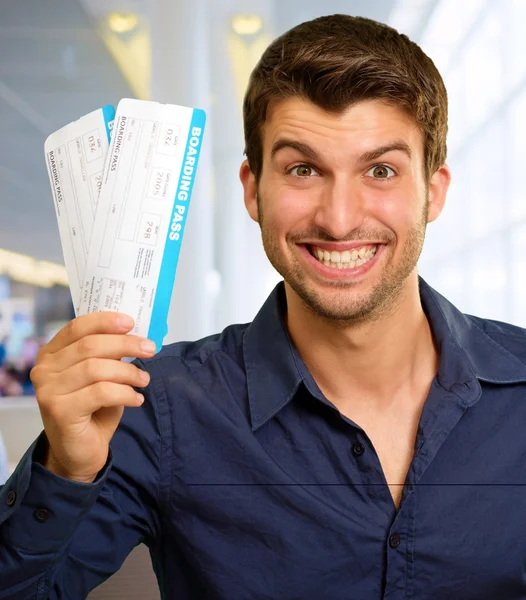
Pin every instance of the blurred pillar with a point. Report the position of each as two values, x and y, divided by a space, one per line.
246 275
5 287
5 318
180 75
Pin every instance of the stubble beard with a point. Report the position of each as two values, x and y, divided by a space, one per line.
345 306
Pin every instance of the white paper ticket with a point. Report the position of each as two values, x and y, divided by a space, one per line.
141 214
75 157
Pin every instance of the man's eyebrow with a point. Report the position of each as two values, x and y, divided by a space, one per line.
304 149
368 156
400 145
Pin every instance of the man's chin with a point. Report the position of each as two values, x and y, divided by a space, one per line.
334 304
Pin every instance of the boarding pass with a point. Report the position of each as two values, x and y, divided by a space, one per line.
141 213
75 158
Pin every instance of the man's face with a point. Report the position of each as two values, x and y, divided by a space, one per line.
343 204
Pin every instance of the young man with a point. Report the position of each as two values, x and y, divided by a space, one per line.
360 439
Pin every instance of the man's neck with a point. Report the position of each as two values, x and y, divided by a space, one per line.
374 366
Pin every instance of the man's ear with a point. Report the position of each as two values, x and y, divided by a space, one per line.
438 186
250 188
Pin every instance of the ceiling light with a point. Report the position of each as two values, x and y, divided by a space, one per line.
122 22
27 269
247 24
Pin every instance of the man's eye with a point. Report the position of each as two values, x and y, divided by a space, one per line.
303 171
381 172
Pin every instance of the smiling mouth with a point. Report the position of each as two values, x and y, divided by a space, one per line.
348 259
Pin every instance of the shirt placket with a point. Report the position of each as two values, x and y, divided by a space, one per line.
444 410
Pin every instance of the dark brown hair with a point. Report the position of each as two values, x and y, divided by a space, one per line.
338 60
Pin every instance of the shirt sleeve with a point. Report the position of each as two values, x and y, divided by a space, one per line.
59 538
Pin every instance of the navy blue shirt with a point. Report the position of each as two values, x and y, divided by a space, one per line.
245 482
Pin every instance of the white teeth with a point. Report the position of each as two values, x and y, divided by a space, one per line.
345 259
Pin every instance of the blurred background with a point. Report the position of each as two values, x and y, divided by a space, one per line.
61 59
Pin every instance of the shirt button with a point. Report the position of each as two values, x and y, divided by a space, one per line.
41 515
11 498
394 540
358 449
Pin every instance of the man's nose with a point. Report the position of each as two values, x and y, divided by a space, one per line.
342 209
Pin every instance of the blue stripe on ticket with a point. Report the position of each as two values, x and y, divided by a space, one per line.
108 113
158 325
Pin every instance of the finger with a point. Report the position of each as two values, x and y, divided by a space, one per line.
102 346
89 400
94 370
99 322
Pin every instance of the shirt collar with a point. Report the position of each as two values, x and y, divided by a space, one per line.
271 360
275 370
465 348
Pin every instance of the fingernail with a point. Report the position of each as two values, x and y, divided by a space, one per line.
148 346
140 398
125 321
145 376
